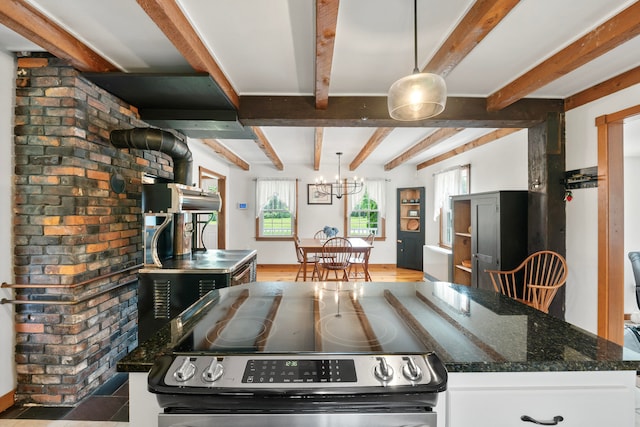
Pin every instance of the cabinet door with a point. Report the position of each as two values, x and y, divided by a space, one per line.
410 229
484 224
505 407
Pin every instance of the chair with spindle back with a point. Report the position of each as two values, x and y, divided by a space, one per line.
359 261
336 253
311 260
535 281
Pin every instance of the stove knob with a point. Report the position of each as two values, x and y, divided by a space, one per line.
185 371
383 371
410 370
213 372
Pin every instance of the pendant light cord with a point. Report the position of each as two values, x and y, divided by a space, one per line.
415 36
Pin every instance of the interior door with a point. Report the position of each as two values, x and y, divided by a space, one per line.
485 244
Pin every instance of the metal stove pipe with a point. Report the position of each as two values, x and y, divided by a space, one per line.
158 140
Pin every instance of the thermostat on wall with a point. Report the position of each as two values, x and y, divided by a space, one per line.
242 206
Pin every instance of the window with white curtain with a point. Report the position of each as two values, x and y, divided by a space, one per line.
366 210
276 207
447 183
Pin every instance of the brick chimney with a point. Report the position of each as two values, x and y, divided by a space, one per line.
77 238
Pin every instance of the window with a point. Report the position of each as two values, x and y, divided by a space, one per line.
277 207
448 183
366 210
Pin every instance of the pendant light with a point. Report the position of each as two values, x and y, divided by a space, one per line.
419 95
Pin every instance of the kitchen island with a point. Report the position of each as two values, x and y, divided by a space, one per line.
505 360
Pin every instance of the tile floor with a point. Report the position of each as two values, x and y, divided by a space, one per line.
108 406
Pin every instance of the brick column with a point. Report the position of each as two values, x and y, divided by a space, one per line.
70 227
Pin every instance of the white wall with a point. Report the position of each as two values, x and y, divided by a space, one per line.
499 165
582 212
7 336
311 217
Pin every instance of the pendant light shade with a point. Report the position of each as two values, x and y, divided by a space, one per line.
419 95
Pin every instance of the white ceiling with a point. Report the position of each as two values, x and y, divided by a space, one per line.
268 48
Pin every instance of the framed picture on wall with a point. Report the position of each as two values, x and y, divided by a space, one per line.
315 197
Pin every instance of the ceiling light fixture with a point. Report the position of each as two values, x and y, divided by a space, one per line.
340 186
419 95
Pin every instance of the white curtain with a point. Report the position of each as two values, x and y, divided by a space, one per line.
446 184
377 191
284 189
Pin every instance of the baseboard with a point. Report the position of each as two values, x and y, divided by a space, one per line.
7 400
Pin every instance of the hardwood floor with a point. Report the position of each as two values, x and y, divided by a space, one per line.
379 273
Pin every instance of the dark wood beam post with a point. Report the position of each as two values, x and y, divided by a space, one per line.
547 218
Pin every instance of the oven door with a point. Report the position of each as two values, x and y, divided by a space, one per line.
307 419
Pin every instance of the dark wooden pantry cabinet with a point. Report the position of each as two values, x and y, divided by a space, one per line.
410 232
489 233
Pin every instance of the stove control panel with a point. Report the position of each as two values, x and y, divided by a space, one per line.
298 371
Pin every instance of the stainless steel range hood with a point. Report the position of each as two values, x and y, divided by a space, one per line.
179 198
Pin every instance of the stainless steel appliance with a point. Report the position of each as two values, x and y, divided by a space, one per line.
278 354
166 204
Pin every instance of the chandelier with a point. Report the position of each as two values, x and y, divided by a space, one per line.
419 95
340 186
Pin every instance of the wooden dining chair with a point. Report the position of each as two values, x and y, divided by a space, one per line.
336 253
535 281
320 235
359 261
311 262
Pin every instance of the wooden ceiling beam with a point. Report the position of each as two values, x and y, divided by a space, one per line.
607 87
372 112
378 136
225 153
616 31
168 16
484 139
431 140
31 24
483 17
326 22
317 148
266 147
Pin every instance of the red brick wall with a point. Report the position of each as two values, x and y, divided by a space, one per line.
70 227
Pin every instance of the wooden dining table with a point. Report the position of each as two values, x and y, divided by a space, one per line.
314 246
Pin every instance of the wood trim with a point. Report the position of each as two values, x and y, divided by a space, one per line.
610 229
222 214
326 23
607 36
168 16
7 400
31 24
484 139
607 87
226 154
626 115
483 17
376 139
317 148
435 138
266 147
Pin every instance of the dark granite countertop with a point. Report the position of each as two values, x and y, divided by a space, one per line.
209 261
472 330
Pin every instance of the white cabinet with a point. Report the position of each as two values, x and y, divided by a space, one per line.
580 398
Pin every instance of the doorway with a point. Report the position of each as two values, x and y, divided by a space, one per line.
611 250
212 231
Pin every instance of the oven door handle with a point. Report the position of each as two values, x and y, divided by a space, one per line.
238 279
